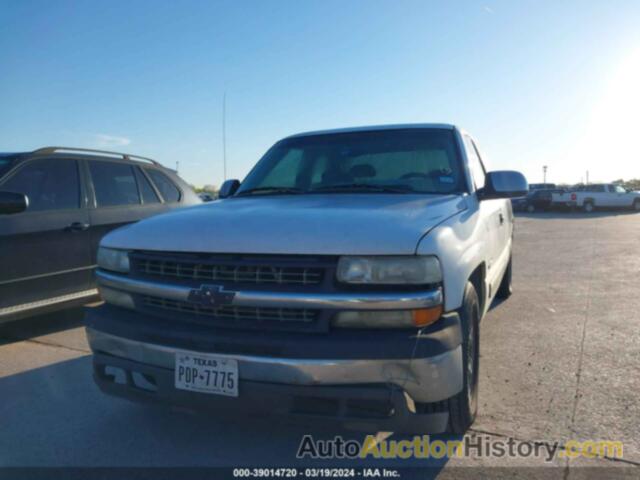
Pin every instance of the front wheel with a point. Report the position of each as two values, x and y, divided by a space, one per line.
588 207
531 208
636 205
464 406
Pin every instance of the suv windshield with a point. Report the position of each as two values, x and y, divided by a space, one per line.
387 161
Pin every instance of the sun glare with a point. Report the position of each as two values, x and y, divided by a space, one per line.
610 144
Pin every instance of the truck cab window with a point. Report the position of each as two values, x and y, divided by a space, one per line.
475 164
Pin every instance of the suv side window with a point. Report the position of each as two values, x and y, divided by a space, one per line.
475 164
114 184
50 184
149 195
167 189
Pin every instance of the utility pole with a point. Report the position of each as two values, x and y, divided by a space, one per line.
224 134
177 166
587 183
544 174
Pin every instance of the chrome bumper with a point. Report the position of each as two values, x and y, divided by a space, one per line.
245 298
430 379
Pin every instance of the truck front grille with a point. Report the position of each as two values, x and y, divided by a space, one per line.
231 316
226 269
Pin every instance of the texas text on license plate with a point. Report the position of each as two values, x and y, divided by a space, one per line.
200 372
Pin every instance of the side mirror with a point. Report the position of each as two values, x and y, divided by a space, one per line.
503 184
228 188
13 202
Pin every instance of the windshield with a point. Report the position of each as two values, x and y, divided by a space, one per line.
391 161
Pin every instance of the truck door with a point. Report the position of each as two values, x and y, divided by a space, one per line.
622 197
494 216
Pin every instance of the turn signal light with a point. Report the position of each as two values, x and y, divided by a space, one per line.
426 316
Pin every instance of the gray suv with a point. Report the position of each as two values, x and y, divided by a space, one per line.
56 204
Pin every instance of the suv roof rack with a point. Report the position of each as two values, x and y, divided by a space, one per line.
123 156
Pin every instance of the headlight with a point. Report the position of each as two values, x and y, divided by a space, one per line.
409 270
114 260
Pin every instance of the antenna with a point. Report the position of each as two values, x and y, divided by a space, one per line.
224 134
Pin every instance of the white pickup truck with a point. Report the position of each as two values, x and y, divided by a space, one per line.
598 195
345 278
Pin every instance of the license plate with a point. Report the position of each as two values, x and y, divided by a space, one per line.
199 372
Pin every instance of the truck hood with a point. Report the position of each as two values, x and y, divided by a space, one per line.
373 224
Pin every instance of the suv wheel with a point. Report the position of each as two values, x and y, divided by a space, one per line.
505 290
531 208
636 205
588 207
464 406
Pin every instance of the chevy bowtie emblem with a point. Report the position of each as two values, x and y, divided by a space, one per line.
211 295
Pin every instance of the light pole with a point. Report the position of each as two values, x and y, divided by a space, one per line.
544 174
224 135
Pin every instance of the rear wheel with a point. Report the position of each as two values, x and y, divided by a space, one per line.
531 208
588 207
464 406
636 205
505 290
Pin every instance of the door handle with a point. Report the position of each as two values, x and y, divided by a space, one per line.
501 217
77 227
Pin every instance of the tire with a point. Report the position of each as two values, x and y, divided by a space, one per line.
636 205
464 406
531 208
588 207
505 289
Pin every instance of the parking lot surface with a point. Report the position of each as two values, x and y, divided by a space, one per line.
559 361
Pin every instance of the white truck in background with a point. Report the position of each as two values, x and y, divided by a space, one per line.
598 195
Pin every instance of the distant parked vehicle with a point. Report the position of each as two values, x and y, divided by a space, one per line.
518 204
206 197
540 200
56 204
599 195
541 186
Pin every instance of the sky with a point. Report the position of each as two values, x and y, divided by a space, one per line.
536 83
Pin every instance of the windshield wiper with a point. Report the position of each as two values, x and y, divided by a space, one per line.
276 190
364 187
